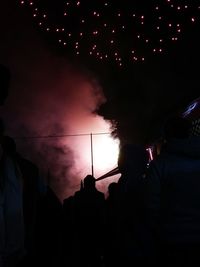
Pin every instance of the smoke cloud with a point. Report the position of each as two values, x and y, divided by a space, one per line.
48 96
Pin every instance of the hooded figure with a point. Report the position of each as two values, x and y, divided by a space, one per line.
173 193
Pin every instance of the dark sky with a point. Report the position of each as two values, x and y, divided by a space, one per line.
143 96
139 96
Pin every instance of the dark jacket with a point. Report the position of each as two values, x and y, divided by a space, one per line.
173 192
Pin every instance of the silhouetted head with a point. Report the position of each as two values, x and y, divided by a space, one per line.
4 83
132 157
9 146
89 182
177 127
112 189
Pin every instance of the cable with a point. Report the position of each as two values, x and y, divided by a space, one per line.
57 136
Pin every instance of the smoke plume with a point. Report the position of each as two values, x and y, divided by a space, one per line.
48 96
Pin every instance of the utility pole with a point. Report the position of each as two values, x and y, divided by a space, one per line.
92 155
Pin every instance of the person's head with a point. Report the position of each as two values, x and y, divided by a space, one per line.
4 83
9 146
177 127
89 182
112 189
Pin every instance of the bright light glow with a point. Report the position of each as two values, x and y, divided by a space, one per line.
105 148
105 151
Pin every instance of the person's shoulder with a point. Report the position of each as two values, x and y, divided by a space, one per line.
100 194
26 162
77 194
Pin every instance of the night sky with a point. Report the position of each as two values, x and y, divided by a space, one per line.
144 55
141 88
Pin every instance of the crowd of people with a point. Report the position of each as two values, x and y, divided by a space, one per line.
150 217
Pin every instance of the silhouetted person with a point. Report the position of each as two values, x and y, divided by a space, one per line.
29 178
69 251
89 220
173 195
132 164
112 216
31 194
4 83
4 86
12 235
49 227
112 198
112 205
